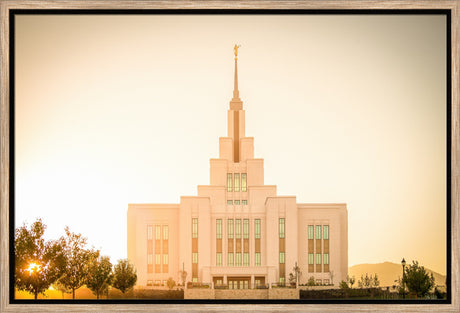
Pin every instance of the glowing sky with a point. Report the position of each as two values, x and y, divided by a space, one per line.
112 110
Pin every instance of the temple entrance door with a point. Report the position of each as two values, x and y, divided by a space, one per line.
239 282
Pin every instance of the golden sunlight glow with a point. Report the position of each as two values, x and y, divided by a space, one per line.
33 267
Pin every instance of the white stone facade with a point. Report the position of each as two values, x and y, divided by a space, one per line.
238 240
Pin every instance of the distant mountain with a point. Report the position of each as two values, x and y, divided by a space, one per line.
387 273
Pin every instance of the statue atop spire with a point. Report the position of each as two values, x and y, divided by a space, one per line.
235 49
236 103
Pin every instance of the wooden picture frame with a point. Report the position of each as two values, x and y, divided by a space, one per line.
5 231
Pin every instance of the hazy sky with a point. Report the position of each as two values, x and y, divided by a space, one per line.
112 110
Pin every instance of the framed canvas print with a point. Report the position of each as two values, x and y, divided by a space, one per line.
247 156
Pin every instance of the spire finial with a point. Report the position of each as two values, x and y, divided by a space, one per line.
235 49
236 93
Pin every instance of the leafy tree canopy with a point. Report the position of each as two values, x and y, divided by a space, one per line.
78 258
368 281
343 285
417 279
99 275
38 263
125 276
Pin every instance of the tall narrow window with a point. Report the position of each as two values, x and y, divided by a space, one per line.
243 182
165 248
282 257
326 231
150 232
318 231
158 250
282 248
310 231
194 228
238 229
326 258
219 242
245 259
194 249
257 242
150 248
238 259
281 227
231 243
157 232
244 202
245 229
229 202
165 232
230 229
318 258
310 258
257 259
219 229
257 228
237 182
230 259
237 202
229 182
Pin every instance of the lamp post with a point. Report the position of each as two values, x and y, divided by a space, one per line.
403 263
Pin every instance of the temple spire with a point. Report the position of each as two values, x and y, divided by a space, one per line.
236 103
236 93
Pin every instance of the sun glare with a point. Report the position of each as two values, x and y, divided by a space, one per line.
33 267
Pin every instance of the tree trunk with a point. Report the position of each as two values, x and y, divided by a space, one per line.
97 295
73 293
35 294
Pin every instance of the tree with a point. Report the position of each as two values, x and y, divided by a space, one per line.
417 279
311 281
77 260
171 283
38 263
343 285
351 280
368 281
360 282
376 281
125 276
99 275
398 285
62 288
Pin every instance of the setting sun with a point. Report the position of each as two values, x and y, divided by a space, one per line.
33 267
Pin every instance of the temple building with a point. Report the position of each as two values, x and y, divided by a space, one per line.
237 232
